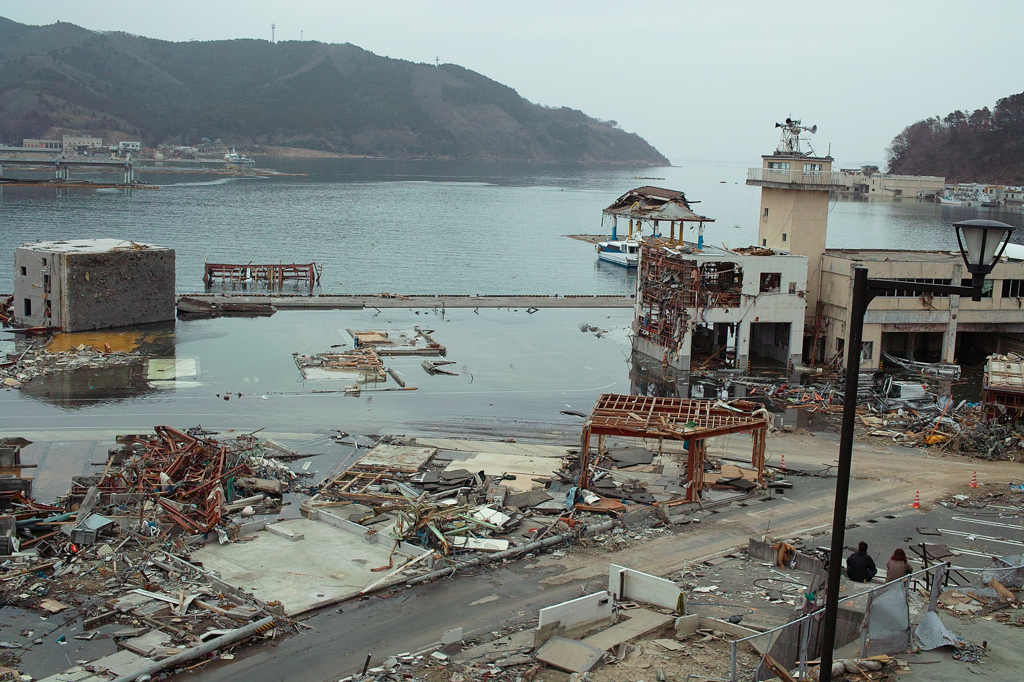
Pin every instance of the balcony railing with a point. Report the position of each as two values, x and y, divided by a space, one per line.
797 177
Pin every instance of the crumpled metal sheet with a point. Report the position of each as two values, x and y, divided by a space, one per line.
1008 570
932 633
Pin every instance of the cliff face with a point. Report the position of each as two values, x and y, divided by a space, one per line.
974 146
333 97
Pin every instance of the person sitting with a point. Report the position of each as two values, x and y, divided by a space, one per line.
860 567
898 566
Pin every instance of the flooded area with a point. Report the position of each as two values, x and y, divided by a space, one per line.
515 370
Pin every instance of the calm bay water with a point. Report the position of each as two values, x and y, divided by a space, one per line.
426 227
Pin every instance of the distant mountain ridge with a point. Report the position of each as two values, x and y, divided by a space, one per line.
335 97
974 146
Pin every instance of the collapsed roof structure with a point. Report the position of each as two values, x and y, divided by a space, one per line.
653 205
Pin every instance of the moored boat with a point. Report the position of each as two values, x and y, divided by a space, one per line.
625 252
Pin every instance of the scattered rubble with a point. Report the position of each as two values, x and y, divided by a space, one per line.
34 360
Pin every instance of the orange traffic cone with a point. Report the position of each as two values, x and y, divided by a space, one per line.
783 465
917 500
974 480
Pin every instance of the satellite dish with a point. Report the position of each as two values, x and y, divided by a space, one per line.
814 129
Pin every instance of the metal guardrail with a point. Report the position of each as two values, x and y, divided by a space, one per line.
798 177
774 634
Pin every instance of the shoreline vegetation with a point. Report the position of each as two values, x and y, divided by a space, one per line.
329 98
965 146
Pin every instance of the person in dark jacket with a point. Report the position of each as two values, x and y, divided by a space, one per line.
860 567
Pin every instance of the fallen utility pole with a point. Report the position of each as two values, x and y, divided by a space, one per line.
195 652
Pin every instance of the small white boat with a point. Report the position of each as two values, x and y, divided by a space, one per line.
962 199
235 157
624 252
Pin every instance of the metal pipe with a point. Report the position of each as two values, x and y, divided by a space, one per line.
858 307
195 652
513 551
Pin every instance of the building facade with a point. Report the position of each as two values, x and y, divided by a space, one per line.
80 143
872 185
915 325
42 144
92 284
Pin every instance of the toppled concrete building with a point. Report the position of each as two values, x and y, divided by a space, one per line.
701 302
83 284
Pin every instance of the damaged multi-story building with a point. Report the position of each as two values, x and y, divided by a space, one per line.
795 191
697 303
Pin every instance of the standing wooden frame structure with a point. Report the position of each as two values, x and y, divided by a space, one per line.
679 419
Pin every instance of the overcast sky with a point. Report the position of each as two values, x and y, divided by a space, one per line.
698 80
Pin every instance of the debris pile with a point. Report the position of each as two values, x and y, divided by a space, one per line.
35 360
117 548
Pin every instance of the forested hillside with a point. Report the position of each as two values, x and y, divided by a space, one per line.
974 146
335 97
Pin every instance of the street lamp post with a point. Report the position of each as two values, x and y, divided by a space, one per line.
981 244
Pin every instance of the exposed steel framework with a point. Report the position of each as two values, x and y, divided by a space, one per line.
275 275
679 419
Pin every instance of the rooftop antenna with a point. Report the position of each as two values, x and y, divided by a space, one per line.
300 35
790 142
272 27
437 62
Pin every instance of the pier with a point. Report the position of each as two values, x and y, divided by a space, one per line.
62 166
358 302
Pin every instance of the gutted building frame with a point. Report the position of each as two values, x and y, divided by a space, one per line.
676 419
734 303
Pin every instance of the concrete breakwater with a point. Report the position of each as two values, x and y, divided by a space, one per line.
357 302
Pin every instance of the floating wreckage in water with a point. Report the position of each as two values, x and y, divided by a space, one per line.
438 367
212 306
933 369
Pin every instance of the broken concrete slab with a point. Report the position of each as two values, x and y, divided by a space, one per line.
569 655
333 564
284 532
528 499
573 617
640 623
687 625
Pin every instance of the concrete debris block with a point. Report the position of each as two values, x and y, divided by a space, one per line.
687 625
285 532
451 636
669 644
391 663
569 655
518 659
10 382
438 656
967 608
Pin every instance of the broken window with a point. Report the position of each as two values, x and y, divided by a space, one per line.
792 287
24 271
771 282
867 350
783 236
28 307
1012 288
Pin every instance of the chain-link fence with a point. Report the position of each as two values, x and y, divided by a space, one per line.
883 627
